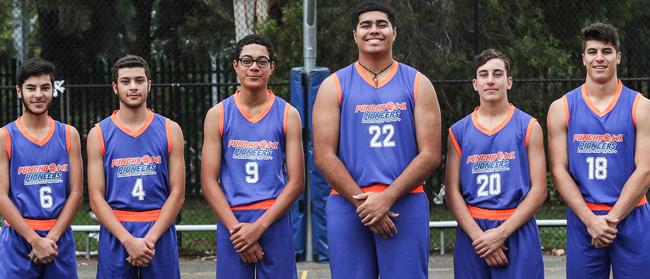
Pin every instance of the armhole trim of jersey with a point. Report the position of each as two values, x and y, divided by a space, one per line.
221 120
634 107
456 146
168 131
100 137
416 86
285 117
529 130
7 142
566 110
339 91
67 138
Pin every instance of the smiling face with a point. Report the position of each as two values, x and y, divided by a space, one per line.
600 60
36 94
253 77
492 81
132 87
374 33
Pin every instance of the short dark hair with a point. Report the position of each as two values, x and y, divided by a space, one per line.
489 54
254 39
371 6
34 67
602 32
131 61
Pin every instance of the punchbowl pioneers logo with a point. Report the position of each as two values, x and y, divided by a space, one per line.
381 113
43 174
253 150
136 166
493 162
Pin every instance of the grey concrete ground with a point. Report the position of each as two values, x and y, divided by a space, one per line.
439 267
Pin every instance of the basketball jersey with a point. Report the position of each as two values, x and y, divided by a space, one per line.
253 149
136 163
38 170
377 131
601 144
494 171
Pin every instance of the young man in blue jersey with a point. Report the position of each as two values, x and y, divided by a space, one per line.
496 180
376 139
598 147
136 181
41 181
252 170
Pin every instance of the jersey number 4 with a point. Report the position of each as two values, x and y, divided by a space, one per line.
138 190
377 131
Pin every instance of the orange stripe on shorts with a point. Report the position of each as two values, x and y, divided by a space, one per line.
38 225
490 214
607 207
265 204
376 188
137 216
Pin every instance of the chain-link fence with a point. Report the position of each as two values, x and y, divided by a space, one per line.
188 44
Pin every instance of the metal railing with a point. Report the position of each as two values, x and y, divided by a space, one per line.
441 225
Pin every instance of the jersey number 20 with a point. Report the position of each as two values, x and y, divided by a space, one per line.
490 185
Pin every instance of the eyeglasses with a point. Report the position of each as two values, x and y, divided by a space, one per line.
248 61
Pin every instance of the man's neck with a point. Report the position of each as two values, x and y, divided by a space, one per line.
35 122
496 109
251 97
601 90
133 116
376 61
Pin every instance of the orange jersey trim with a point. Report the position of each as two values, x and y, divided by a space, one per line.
67 138
529 130
38 225
128 131
100 136
456 146
416 86
376 188
265 204
566 110
249 117
137 216
611 105
7 142
168 131
339 91
490 214
284 119
634 107
498 127
221 120
33 139
607 207
369 80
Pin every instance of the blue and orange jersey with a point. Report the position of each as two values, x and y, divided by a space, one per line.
494 171
601 143
136 163
377 132
38 170
253 152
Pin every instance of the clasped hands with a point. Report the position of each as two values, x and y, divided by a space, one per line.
244 238
602 229
375 213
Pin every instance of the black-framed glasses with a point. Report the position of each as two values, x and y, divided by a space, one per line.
248 61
